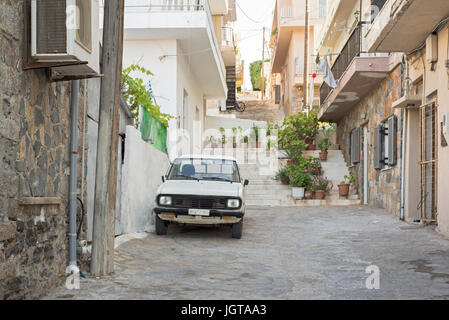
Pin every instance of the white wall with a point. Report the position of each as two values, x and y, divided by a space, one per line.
186 81
148 53
142 170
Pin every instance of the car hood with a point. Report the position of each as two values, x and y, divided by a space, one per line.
201 188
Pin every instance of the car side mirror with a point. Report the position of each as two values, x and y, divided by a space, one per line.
163 179
246 182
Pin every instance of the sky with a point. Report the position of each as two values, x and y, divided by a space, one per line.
259 13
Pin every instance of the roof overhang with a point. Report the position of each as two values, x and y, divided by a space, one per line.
403 25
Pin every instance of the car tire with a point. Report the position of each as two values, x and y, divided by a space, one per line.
161 226
237 229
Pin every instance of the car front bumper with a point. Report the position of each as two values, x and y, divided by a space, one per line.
179 215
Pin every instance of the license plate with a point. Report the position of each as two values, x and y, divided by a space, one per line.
199 212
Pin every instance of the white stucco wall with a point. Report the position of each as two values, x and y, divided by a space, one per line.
142 170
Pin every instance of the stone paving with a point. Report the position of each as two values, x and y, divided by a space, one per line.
285 253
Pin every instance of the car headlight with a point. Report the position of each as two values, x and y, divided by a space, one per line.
165 201
233 203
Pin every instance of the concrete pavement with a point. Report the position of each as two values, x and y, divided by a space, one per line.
285 253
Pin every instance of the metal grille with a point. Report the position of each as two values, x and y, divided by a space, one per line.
350 51
429 161
199 203
51 27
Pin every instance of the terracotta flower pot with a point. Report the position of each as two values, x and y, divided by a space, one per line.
343 189
311 146
309 194
319 194
285 182
289 161
214 145
317 170
234 145
323 156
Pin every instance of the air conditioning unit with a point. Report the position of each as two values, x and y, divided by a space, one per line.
66 31
432 48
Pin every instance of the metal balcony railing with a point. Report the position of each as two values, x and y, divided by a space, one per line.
165 5
227 37
313 68
351 50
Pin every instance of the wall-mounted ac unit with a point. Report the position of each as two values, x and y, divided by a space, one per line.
66 31
432 48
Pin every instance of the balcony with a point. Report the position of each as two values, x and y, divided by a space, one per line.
358 74
190 23
402 25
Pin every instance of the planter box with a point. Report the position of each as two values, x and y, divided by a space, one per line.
298 193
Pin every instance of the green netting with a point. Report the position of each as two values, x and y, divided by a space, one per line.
152 128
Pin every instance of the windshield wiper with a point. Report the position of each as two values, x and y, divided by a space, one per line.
217 178
188 177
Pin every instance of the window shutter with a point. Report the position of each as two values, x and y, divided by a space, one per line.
378 147
356 149
392 141
278 94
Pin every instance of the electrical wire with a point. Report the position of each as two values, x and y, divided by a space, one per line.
238 5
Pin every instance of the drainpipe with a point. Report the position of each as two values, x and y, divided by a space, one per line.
72 182
404 114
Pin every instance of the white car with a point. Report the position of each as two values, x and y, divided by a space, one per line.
201 190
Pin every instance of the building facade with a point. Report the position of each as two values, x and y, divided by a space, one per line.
390 103
287 50
184 44
35 131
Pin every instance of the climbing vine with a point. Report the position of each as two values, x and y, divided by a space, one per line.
137 94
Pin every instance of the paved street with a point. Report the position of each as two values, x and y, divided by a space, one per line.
285 253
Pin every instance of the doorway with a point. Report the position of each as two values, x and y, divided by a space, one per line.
429 161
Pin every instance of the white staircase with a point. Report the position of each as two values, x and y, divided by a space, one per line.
264 191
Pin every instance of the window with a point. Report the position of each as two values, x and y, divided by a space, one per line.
376 6
84 24
354 146
385 144
322 8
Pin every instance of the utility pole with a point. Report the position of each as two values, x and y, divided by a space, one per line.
106 170
263 63
306 59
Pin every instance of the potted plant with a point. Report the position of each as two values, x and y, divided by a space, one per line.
324 145
315 165
245 140
282 176
343 187
223 137
299 180
213 142
234 138
256 134
309 192
321 187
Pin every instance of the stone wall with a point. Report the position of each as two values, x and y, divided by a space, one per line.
34 164
383 185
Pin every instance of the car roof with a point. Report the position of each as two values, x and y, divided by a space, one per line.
206 156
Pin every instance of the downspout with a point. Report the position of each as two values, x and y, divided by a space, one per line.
73 175
403 141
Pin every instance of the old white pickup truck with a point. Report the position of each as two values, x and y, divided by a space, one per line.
201 190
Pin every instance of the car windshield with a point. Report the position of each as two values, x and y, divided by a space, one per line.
204 169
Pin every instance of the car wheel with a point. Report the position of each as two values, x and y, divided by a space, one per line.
161 227
237 229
